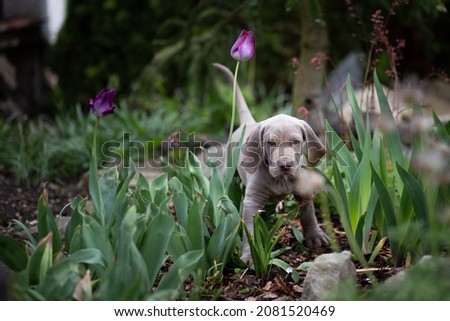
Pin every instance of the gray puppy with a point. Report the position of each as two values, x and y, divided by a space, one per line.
271 156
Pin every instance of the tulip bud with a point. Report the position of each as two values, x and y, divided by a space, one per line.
103 103
244 47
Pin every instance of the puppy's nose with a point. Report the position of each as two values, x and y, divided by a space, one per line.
285 164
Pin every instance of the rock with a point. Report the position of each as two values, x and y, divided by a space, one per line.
326 274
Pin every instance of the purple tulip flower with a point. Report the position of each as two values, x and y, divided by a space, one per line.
244 47
103 104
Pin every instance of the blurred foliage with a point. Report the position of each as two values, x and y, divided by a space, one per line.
42 149
147 49
427 280
423 24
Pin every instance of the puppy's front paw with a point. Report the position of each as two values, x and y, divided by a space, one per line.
247 258
316 238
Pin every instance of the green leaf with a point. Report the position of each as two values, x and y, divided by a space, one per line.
13 253
356 146
442 132
40 261
142 183
341 208
360 191
108 187
195 225
89 256
260 266
341 202
390 217
305 266
119 283
368 220
120 199
340 152
180 270
179 242
231 165
78 207
287 268
385 199
216 192
392 135
356 111
197 173
261 242
224 238
93 235
155 243
377 250
31 241
60 281
417 196
297 234
272 239
47 222
142 192
180 201
159 188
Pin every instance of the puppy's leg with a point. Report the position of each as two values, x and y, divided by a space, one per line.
248 220
252 204
313 234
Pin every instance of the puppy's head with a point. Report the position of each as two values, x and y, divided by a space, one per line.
281 143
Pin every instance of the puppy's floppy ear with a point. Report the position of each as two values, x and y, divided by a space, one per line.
312 149
252 150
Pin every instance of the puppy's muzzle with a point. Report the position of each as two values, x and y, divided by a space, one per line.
285 164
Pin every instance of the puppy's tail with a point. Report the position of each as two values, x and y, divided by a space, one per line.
245 115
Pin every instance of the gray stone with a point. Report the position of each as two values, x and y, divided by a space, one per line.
326 274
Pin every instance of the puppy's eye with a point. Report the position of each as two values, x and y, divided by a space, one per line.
296 142
271 143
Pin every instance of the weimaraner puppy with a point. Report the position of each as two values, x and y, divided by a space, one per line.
270 158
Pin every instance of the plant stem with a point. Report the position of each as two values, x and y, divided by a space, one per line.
233 106
94 188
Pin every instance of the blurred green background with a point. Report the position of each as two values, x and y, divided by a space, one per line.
158 55
150 48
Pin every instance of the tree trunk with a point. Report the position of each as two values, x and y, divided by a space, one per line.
308 83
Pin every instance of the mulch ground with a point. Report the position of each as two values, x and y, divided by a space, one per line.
20 203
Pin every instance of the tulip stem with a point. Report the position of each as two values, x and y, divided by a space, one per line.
94 188
233 106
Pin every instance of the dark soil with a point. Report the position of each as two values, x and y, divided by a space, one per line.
20 203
